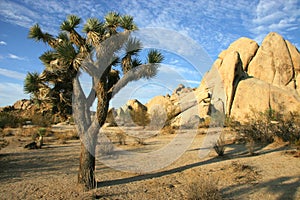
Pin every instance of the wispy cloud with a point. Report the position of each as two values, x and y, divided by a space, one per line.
13 56
214 24
12 74
278 16
3 43
189 82
17 14
11 92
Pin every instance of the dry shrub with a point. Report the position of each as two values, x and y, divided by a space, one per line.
287 128
28 131
121 136
205 123
42 119
3 143
66 135
269 126
251 146
219 146
140 140
240 167
10 119
204 189
168 130
243 173
10 132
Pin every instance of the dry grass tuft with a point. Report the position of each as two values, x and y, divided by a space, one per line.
204 189
66 135
219 146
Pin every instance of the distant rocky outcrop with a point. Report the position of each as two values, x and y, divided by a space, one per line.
132 113
178 109
23 104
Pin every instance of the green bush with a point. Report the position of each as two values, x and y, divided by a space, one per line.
264 127
42 119
287 128
9 119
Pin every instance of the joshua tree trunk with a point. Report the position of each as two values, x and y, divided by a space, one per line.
86 175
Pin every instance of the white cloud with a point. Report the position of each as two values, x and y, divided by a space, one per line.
10 93
3 43
189 82
12 74
17 14
13 56
278 16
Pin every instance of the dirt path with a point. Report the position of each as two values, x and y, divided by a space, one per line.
51 172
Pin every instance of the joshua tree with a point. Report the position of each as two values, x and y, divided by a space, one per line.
96 54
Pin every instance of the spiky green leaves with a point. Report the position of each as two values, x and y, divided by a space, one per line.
36 33
133 46
126 22
154 56
94 25
112 19
71 23
32 83
63 37
95 31
48 57
67 55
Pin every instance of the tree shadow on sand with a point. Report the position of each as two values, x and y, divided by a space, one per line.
34 163
234 153
282 188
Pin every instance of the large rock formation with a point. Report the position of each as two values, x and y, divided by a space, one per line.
258 78
231 72
23 104
177 109
245 47
273 62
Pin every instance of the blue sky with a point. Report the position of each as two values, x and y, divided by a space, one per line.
212 25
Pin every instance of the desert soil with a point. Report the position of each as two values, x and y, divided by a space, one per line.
51 172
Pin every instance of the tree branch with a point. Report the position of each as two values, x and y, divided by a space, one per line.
142 71
81 112
104 54
92 95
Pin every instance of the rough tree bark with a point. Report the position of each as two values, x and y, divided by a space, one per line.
86 175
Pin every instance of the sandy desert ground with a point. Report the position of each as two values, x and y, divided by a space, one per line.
51 172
